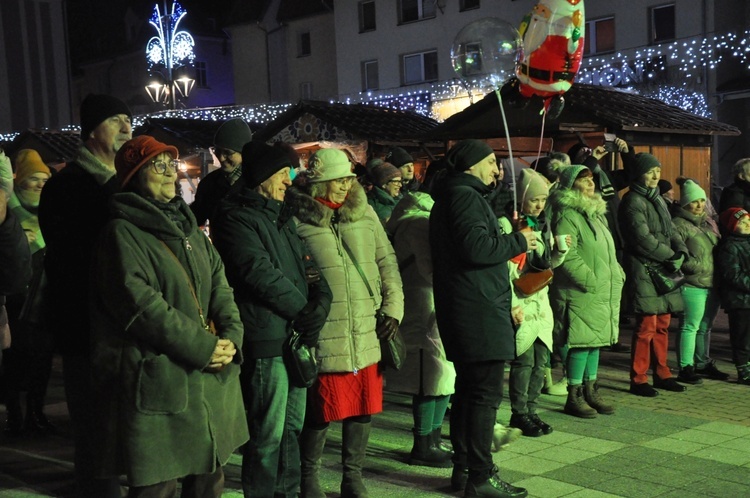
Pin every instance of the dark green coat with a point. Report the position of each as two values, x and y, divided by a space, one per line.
161 416
646 241
382 202
700 239
470 272
587 287
733 272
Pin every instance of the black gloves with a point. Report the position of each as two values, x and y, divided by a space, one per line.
386 327
310 321
675 263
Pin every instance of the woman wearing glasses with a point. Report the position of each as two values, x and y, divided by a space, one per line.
386 190
166 337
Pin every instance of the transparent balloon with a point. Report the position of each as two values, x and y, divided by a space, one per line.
487 50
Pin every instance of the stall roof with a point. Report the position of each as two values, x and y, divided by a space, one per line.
310 120
52 145
185 134
586 107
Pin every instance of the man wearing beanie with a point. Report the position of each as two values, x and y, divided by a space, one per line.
403 161
72 211
472 306
229 140
278 289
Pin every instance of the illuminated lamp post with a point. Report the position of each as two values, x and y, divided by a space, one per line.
169 54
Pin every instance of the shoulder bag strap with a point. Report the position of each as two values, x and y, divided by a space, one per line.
204 323
359 269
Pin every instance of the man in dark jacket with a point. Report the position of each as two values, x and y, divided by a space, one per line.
72 211
229 139
15 263
738 193
403 161
278 289
472 306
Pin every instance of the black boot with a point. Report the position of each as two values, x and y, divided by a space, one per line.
425 453
494 487
36 421
353 447
437 440
743 375
311 442
14 422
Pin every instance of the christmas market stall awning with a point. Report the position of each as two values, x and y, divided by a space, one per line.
587 108
311 121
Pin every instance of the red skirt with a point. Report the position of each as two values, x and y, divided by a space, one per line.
336 396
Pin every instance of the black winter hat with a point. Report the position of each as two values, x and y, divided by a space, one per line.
96 108
398 157
466 154
643 163
261 161
233 134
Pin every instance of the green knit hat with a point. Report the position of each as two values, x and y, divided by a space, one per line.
568 175
690 191
643 164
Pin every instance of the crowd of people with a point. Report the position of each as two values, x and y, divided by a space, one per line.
174 346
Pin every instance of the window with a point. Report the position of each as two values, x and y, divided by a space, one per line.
469 4
600 36
662 23
370 79
303 47
416 10
305 90
366 16
419 68
200 75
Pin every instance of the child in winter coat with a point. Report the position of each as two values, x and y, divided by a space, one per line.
733 268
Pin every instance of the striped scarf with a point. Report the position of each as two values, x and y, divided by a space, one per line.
654 196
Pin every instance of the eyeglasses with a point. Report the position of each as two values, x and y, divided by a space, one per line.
219 152
396 181
160 167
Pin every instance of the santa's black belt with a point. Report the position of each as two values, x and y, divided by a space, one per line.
544 75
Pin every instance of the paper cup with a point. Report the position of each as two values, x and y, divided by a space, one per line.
562 243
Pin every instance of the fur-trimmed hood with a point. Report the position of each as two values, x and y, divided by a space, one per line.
308 210
573 199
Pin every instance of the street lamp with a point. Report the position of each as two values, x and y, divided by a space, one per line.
170 52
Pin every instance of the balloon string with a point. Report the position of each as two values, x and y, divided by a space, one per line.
510 155
541 139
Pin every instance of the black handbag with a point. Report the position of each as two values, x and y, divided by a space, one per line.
664 282
393 350
299 359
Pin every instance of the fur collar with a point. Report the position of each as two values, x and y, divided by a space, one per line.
572 199
308 210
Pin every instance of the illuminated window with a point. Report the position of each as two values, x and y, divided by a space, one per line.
600 36
366 16
370 78
663 23
416 10
419 68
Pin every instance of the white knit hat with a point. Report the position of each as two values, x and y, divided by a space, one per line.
328 164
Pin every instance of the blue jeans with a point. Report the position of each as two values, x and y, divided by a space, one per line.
692 343
275 413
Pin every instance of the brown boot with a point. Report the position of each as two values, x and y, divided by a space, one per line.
353 447
594 399
576 404
311 445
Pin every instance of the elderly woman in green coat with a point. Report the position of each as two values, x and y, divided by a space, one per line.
166 338
586 289
650 239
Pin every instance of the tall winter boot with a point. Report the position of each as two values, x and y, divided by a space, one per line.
551 387
594 399
576 404
353 447
425 453
14 422
311 442
437 439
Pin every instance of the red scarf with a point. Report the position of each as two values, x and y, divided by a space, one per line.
326 202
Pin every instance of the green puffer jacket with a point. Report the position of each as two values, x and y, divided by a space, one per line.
161 416
733 272
645 241
587 287
348 341
382 202
700 239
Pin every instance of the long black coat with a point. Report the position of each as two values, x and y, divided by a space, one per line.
265 262
470 259
733 272
209 194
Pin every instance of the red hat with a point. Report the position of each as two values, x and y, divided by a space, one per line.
136 152
731 217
